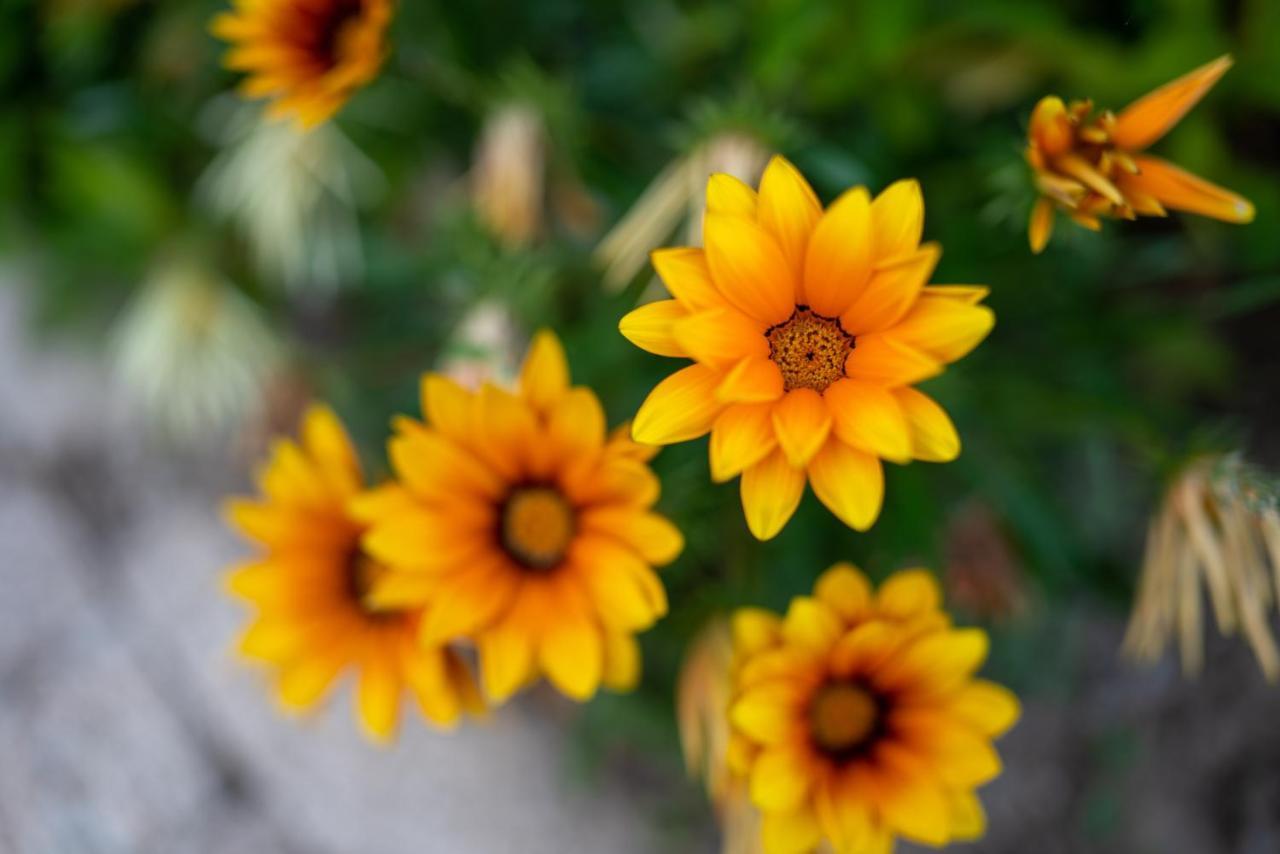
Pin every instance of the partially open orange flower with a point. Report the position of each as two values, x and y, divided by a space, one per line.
857 717
1089 165
307 55
808 329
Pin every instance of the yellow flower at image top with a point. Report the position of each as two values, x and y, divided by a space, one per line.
307 56
310 586
519 525
1091 165
808 329
857 717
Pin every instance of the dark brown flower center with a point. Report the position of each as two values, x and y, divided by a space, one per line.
363 573
536 527
323 27
843 718
809 349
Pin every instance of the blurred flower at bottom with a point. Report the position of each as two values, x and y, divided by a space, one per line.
293 196
1218 528
703 692
193 351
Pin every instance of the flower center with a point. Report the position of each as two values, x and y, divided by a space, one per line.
363 573
843 716
324 36
809 349
537 526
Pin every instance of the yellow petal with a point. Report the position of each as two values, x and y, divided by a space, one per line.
681 407
327 443
653 537
895 284
447 406
394 590
936 663
754 629
576 425
649 327
572 655
721 337
969 294
749 268
789 210
956 754
1041 227
685 273
1089 175
741 437
897 219
1179 190
968 818
432 466
467 602
302 685
869 418
790 833
727 194
909 593
911 803
622 662
1151 116
845 590
380 502
769 713
625 592
756 379
849 482
838 261
811 623
933 436
888 359
506 660
544 377
802 422
779 779
942 328
378 698
989 708
771 492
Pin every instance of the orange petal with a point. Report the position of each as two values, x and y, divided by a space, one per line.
849 482
1151 116
802 422
883 358
771 492
721 337
839 258
893 288
749 268
649 327
756 379
1180 190
741 437
869 417
681 407
933 436
685 273
1041 227
544 376
1051 126
943 329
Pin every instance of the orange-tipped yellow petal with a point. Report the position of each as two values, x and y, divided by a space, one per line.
1180 190
728 195
741 437
1041 227
649 327
789 209
802 422
749 268
1151 116
839 258
681 407
849 482
771 492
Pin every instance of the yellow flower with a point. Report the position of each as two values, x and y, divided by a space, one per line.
1091 166
309 588
521 526
857 717
309 56
808 329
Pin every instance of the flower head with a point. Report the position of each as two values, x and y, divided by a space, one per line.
808 330
518 524
308 56
857 717
1090 165
310 587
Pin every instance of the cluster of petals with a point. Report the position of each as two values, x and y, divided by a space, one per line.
808 329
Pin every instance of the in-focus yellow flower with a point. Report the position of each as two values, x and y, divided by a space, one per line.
857 717
808 329
1091 166
520 525
308 56
310 586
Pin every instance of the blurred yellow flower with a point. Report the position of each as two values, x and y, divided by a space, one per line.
1090 166
518 524
308 56
808 330
857 717
1218 528
310 586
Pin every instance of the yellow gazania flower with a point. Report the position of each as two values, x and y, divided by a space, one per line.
310 586
1091 166
857 717
808 329
518 524
309 56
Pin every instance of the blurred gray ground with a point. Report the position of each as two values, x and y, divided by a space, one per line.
126 726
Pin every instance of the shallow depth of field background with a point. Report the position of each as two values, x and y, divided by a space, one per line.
127 726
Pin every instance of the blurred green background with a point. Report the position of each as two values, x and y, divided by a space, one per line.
1115 358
